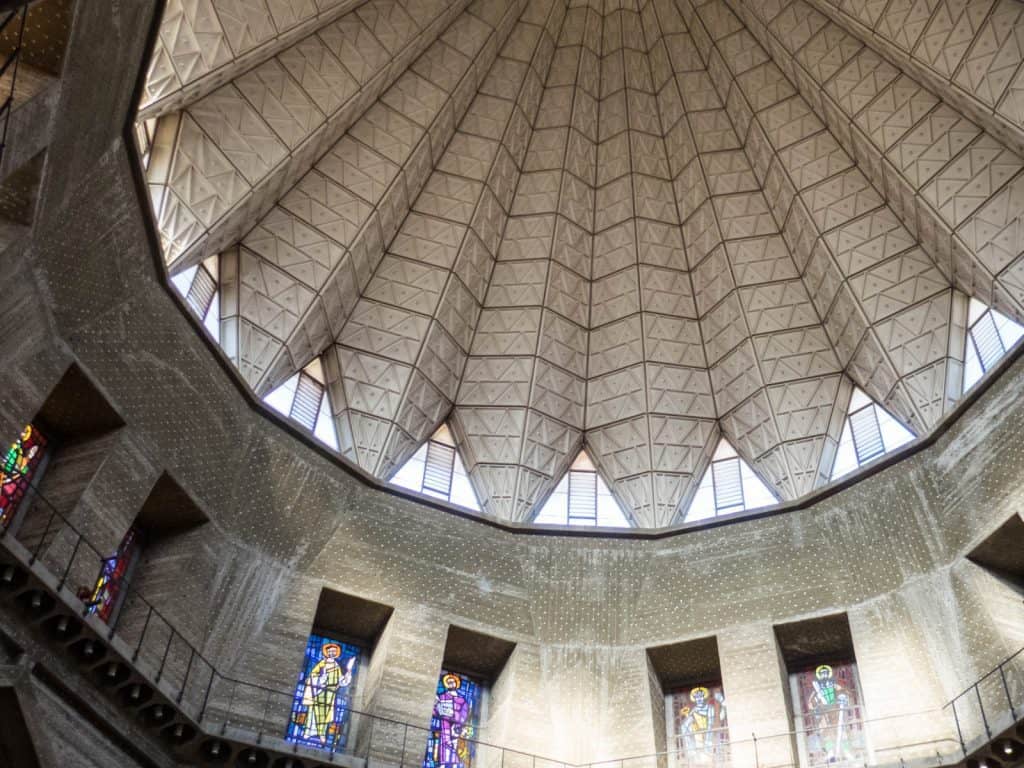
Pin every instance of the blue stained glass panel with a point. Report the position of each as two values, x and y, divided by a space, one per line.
454 723
322 702
113 575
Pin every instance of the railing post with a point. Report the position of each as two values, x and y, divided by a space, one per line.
120 608
167 650
263 719
231 703
16 56
959 730
188 671
71 562
757 760
1006 690
142 637
42 539
206 695
981 708
369 738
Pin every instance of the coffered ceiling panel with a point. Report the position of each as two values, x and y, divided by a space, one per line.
631 225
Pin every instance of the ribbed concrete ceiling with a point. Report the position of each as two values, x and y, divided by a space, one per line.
634 224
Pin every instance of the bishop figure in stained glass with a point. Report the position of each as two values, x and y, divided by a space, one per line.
701 726
833 732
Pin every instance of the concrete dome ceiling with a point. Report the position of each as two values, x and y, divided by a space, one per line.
637 225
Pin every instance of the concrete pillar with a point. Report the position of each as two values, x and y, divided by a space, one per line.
400 686
656 697
631 729
582 704
756 695
902 696
33 359
262 616
515 712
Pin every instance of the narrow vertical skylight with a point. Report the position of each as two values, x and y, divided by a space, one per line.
582 498
198 285
869 432
145 134
990 335
729 485
303 399
436 469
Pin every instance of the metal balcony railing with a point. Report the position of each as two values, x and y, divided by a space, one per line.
11 18
991 704
141 651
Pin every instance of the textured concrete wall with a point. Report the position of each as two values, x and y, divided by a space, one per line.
285 520
67 722
63 739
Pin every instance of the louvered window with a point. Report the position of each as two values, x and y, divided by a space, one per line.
439 467
200 293
986 340
990 337
144 138
309 393
867 434
582 496
436 469
728 484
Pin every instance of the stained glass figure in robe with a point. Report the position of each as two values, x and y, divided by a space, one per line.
19 464
829 699
106 595
454 722
322 701
701 728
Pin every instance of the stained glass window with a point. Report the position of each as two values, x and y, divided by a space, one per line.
829 718
729 485
21 462
699 728
454 723
322 702
114 573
